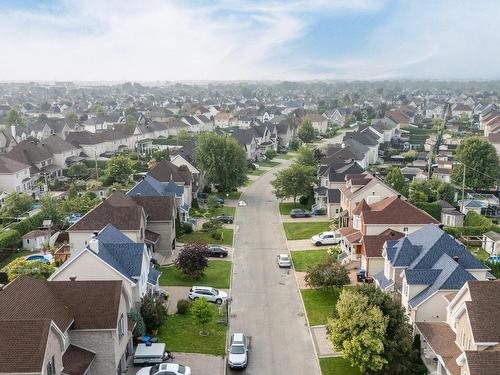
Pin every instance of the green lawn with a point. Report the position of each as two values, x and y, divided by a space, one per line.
217 275
319 304
256 172
268 163
288 156
205 236
304 259
337 366
21 253
479 253
181 334
225 210
286 207
305 230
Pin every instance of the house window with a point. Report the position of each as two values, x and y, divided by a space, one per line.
27 241
468 344
121 327
51 366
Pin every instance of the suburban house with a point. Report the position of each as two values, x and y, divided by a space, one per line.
423 267
331 178
64 327
223 120
257 139
387 130
364 139
246 138
149 220
98 124
397 118
63 153
15 176
185 156
36 239
346 152
286 132
111 255
390 213
467 340
166 171
319 123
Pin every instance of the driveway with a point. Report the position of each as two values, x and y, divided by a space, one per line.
288 219
199 363
266 303
176 293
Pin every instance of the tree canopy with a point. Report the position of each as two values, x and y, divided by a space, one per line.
222 159
306 156
482 166
306 132
192 259
119 169
294 181
33 268
16 204
396 180
14 118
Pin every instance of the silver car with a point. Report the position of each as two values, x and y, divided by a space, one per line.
237 356
284 261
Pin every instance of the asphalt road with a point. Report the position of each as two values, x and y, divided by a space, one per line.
266 304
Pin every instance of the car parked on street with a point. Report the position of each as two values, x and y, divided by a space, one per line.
326 238
237 357
211 294
165 369
217 252
284 261
226 219
299 212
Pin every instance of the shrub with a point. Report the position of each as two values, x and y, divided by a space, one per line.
473 219
187 227
270 154
194 204
192 261
303 200
217 235
153 312
183 306
327 274
22 267
140 327
10 239
433 209
28 224
4 278
211 225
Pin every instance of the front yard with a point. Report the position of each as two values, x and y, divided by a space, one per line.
268 163
305 230
304 259
256 172
287 156
217 275
181 333
227 238
13 256
286 207
319 304
337 366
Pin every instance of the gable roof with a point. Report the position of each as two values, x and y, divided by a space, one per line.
165 171
372 244
484 304
9 166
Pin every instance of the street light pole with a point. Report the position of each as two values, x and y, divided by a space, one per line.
463 187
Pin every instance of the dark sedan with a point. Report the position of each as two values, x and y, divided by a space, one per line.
217 251
299 212
226 219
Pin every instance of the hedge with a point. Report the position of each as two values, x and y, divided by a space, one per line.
10 239
471 231
433 209
27 225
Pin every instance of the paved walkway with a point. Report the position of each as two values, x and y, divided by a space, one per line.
303 245
323 346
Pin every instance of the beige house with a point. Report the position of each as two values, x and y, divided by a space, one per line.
467 340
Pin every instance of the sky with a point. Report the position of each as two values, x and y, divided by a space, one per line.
190 40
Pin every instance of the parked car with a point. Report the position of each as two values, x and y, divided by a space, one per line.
217 251
242 203
284 261
211 294
326 238
165 369
237 356
299 212
226 219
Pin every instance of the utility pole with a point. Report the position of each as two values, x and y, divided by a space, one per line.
463 188
96 169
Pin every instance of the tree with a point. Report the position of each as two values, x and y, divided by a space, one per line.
42 117
203 313
140 327
222 159
99 111
72 117
306 132
78 170
396 180
306 156
79 204
50 209
153 312
16 204
358 329
183 137
420 191
32 268
192 260
161 155
294 144
328 273
482 167
119 169
72 192
14 118
44 106
294 181
130 120
349 120
270 154
446 192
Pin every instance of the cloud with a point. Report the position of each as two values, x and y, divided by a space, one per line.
244 39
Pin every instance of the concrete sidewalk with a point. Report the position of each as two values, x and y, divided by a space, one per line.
324 347
320 218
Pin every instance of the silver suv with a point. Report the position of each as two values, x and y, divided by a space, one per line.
211 294
237 356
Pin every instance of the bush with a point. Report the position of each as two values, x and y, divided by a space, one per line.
140 327
270 154
211 225
473 219
217 235
36 269
183 306
303 200
4 278
28 224
153 312
433 209
294 144
327 274
194 204
187 228
10 239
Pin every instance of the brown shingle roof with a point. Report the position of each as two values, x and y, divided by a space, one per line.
484 304
23 340
483 362
76 360
441 339
157 208
118 209
165 171
372 245
394 210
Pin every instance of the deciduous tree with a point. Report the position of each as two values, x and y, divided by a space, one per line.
192 260
306 132
16 204
306 156
396 180
294 181
328 273
119 169
153 312
32 268
203 313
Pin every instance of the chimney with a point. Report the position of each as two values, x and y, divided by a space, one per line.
72 278
94 243
455 258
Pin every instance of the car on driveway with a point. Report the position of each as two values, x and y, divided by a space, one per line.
299 212
226 219
165 369
326 238
211 294
217 252
237 356
284 261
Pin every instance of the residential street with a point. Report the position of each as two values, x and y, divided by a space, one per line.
266 303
